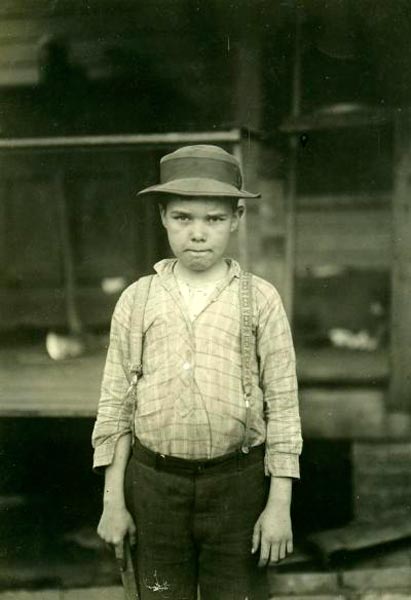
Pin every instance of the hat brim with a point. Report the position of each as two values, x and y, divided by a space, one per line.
198 186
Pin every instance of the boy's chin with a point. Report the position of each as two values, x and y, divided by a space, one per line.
197 265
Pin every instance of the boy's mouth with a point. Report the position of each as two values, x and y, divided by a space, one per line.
197 251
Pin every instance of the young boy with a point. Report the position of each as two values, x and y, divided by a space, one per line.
204 490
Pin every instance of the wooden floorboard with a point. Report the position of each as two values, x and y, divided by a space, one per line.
34 385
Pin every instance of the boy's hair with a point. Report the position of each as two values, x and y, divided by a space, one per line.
164 199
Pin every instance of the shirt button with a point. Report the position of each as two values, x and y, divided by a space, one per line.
186 366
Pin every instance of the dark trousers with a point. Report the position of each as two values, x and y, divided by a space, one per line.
194 525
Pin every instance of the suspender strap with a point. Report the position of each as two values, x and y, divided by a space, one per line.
135 339
247 345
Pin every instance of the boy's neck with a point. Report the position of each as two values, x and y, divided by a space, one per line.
215 273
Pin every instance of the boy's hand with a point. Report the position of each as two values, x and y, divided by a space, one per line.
273 534
115 524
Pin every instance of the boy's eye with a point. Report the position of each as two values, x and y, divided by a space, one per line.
182 218
215 219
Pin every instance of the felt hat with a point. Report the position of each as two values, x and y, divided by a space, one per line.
201 170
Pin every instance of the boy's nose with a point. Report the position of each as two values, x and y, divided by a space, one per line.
198 233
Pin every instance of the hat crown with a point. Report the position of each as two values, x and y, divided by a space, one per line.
202 170
201 151
201 162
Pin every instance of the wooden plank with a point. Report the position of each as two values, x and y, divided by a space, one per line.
371 201
129 27
4 192
381 479
45 307
270 264
400 390
357 536
11 9
321 120
394 578
103 593
148 139
353 237
97 593
334 365
32 253
34 385
32 595
351 413
302 583
248 81
101 212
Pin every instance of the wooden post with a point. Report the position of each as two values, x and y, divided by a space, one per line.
400 389
242 235
291 192
247 111
247 99
73 318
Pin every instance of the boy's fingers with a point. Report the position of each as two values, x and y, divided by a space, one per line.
274 554
290 547
256 537
132 536
120 556
282 553
264 553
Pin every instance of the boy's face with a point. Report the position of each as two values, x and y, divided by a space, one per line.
199 230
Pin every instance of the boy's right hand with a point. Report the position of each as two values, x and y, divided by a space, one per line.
115 524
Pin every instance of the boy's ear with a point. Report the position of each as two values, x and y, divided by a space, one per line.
238 213
240 210
162 213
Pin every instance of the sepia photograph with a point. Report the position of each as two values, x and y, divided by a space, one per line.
205 300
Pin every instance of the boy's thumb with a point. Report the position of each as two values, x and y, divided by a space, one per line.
256 537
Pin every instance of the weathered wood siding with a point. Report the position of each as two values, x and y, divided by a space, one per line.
112 233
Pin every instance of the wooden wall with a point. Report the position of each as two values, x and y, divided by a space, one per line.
129 70
179 64
93 30
113 235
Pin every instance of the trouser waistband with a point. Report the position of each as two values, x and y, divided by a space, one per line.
227 462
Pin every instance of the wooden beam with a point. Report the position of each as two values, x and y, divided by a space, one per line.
26 9
149 139
341 366
400 390
342 413
292 179
46 307
328 202
247 100
357 536
337 119
357 237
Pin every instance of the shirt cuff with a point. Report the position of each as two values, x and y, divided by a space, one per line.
104 452
282 464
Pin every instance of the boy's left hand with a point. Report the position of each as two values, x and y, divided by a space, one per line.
273 533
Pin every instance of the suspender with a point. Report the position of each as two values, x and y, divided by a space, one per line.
247 347
246 340
135 341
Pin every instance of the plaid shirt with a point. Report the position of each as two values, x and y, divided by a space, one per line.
189 398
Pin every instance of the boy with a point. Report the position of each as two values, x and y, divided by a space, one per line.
204 491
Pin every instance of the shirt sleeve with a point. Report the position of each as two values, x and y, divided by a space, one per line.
115 405
279 383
